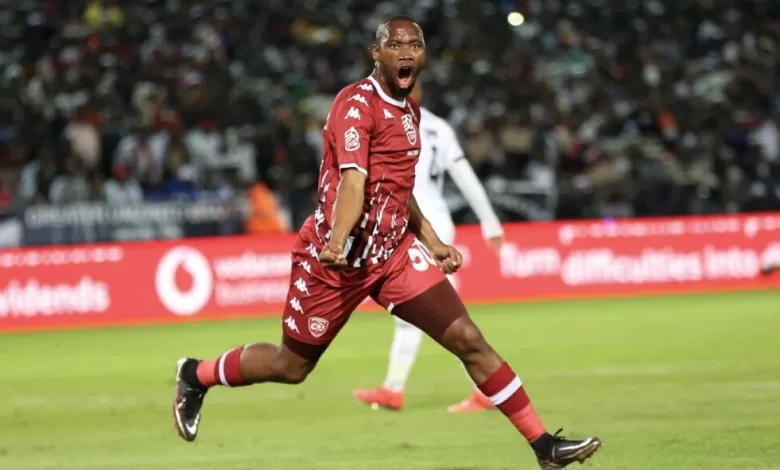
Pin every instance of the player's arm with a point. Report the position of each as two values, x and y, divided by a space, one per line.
348 205
351 124
421 226
448 258
469 185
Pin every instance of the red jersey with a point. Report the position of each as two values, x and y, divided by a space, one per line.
379 136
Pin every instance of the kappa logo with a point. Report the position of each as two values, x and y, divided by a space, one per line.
388 114
305 265
351 139
318 326
300 284
296 305
359 98
366 87
290 322
411 133
353 113
313 249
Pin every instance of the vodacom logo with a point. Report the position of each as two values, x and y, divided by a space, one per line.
178 301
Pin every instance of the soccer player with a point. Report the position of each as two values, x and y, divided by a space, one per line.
369 238
440 152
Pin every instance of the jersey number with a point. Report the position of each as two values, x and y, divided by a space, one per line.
435 171
420 257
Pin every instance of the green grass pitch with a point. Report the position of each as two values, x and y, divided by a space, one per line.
688 382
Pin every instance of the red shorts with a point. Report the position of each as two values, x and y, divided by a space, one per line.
320 301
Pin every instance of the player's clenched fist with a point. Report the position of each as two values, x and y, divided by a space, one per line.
448 258
332 257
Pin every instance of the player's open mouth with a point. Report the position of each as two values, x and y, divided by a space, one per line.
405 77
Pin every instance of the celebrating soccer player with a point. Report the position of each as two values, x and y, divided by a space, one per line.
369 238
440 153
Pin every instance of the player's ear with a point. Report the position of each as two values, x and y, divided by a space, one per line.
374 52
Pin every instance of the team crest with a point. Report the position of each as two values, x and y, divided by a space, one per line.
351 140
411 133
318 326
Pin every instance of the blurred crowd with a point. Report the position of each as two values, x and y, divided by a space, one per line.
640 107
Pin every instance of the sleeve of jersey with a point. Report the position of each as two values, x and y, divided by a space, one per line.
467 182
352 127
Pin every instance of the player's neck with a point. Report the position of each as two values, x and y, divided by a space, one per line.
385 87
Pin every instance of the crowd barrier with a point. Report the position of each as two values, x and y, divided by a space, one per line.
167 281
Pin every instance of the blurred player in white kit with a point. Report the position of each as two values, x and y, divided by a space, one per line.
440 153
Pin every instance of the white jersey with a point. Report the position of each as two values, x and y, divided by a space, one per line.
442 153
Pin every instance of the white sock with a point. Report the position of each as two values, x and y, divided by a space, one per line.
403 352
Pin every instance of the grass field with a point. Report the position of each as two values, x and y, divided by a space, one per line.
668 383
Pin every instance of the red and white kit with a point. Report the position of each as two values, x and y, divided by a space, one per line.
380 137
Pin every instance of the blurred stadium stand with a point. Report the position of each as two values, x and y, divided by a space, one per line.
128 120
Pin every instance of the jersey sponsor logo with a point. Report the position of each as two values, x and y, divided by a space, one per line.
353 113
318 326
411 133
359 98
366 87
388 114
351 139
290 322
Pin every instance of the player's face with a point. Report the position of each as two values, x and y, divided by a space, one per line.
400 57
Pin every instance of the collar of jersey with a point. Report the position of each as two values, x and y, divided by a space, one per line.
384 96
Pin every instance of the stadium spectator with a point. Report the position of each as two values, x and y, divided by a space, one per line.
635 108
123 189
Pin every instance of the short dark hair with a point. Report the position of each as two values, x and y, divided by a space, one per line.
383 30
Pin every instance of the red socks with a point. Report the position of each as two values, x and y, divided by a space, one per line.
505 390
224 370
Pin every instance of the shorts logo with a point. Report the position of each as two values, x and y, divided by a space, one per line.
189 301
318 326
351 140
290 322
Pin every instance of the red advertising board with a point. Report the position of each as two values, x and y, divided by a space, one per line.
169 281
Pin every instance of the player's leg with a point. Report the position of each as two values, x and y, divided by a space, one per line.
314 314
403 353
245 365
419 294
440 313
476 401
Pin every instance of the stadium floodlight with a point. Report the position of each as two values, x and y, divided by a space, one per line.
515 19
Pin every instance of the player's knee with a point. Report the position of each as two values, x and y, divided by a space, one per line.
465 339
292 369
293 373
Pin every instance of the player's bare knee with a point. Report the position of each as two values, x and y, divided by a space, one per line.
293 373
292 369
465 339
